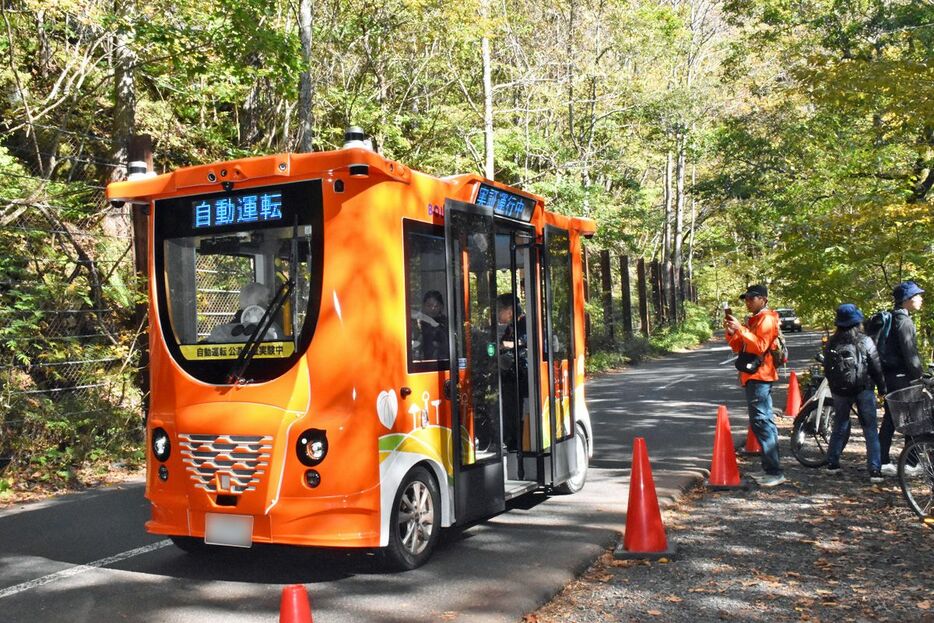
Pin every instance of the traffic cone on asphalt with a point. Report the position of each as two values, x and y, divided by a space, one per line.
724 473
294 607
645 535
793 404
752 446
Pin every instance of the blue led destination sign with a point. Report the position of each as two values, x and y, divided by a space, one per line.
505 203
254 208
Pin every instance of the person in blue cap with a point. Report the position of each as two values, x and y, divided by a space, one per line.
901 363
852 369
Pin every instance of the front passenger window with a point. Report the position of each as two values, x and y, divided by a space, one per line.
426 284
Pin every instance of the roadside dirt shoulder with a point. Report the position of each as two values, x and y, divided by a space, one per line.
820 548
85 480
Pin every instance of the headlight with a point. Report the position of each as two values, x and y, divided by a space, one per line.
797 321
161 446
312 447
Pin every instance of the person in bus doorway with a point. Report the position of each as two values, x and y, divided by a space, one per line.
852 369
901 364
513 377
753 342
431 326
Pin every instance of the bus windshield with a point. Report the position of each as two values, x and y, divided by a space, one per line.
220 260
219 287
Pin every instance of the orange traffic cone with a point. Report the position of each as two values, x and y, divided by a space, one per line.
294 607
724 473
793 404
752 446
645 535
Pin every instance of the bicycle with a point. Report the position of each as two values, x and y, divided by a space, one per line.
912 410
810 432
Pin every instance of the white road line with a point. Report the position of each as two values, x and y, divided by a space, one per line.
73 571
677 380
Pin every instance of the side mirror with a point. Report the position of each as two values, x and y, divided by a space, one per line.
819 357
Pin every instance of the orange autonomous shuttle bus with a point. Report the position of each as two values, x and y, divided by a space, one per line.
346 352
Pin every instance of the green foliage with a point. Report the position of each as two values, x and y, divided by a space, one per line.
696 329
827 174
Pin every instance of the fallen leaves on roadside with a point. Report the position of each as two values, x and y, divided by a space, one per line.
824 561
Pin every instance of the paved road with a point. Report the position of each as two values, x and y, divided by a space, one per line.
85 558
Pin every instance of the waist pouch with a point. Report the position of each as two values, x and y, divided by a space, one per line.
747 362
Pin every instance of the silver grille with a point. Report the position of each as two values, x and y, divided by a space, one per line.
241 458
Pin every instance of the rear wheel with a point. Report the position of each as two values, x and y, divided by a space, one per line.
918 484
810 435
415 521
579 476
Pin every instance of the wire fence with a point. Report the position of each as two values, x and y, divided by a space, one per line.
69 326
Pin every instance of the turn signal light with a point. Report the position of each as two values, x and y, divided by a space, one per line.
312 478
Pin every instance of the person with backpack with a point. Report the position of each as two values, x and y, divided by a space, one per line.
901 364
753 343
852 369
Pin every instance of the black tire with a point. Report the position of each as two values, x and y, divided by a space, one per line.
810 435
415 521
190 545
919 489
579 477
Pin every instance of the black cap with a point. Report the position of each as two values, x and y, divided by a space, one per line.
755 290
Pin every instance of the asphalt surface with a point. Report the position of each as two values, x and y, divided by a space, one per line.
86 557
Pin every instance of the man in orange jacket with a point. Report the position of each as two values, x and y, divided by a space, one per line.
753 342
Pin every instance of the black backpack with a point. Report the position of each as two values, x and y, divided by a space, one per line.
845 368
878 328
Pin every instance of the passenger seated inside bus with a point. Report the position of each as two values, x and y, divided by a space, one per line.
430 334
513 350
254 299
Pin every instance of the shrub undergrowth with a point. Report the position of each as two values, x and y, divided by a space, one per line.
695 329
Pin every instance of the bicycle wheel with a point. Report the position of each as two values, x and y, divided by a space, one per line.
810 435
918 488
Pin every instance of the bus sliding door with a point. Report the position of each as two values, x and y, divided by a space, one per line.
558 352
479 489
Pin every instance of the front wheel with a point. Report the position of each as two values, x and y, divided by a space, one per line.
415 521
918 484
579 476
810 435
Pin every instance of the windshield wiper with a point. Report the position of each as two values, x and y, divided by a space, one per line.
251 346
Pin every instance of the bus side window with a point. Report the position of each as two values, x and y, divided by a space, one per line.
426 309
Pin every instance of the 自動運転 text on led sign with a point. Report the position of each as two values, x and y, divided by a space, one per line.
253 208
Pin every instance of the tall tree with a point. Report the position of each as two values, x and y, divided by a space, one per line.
305 110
